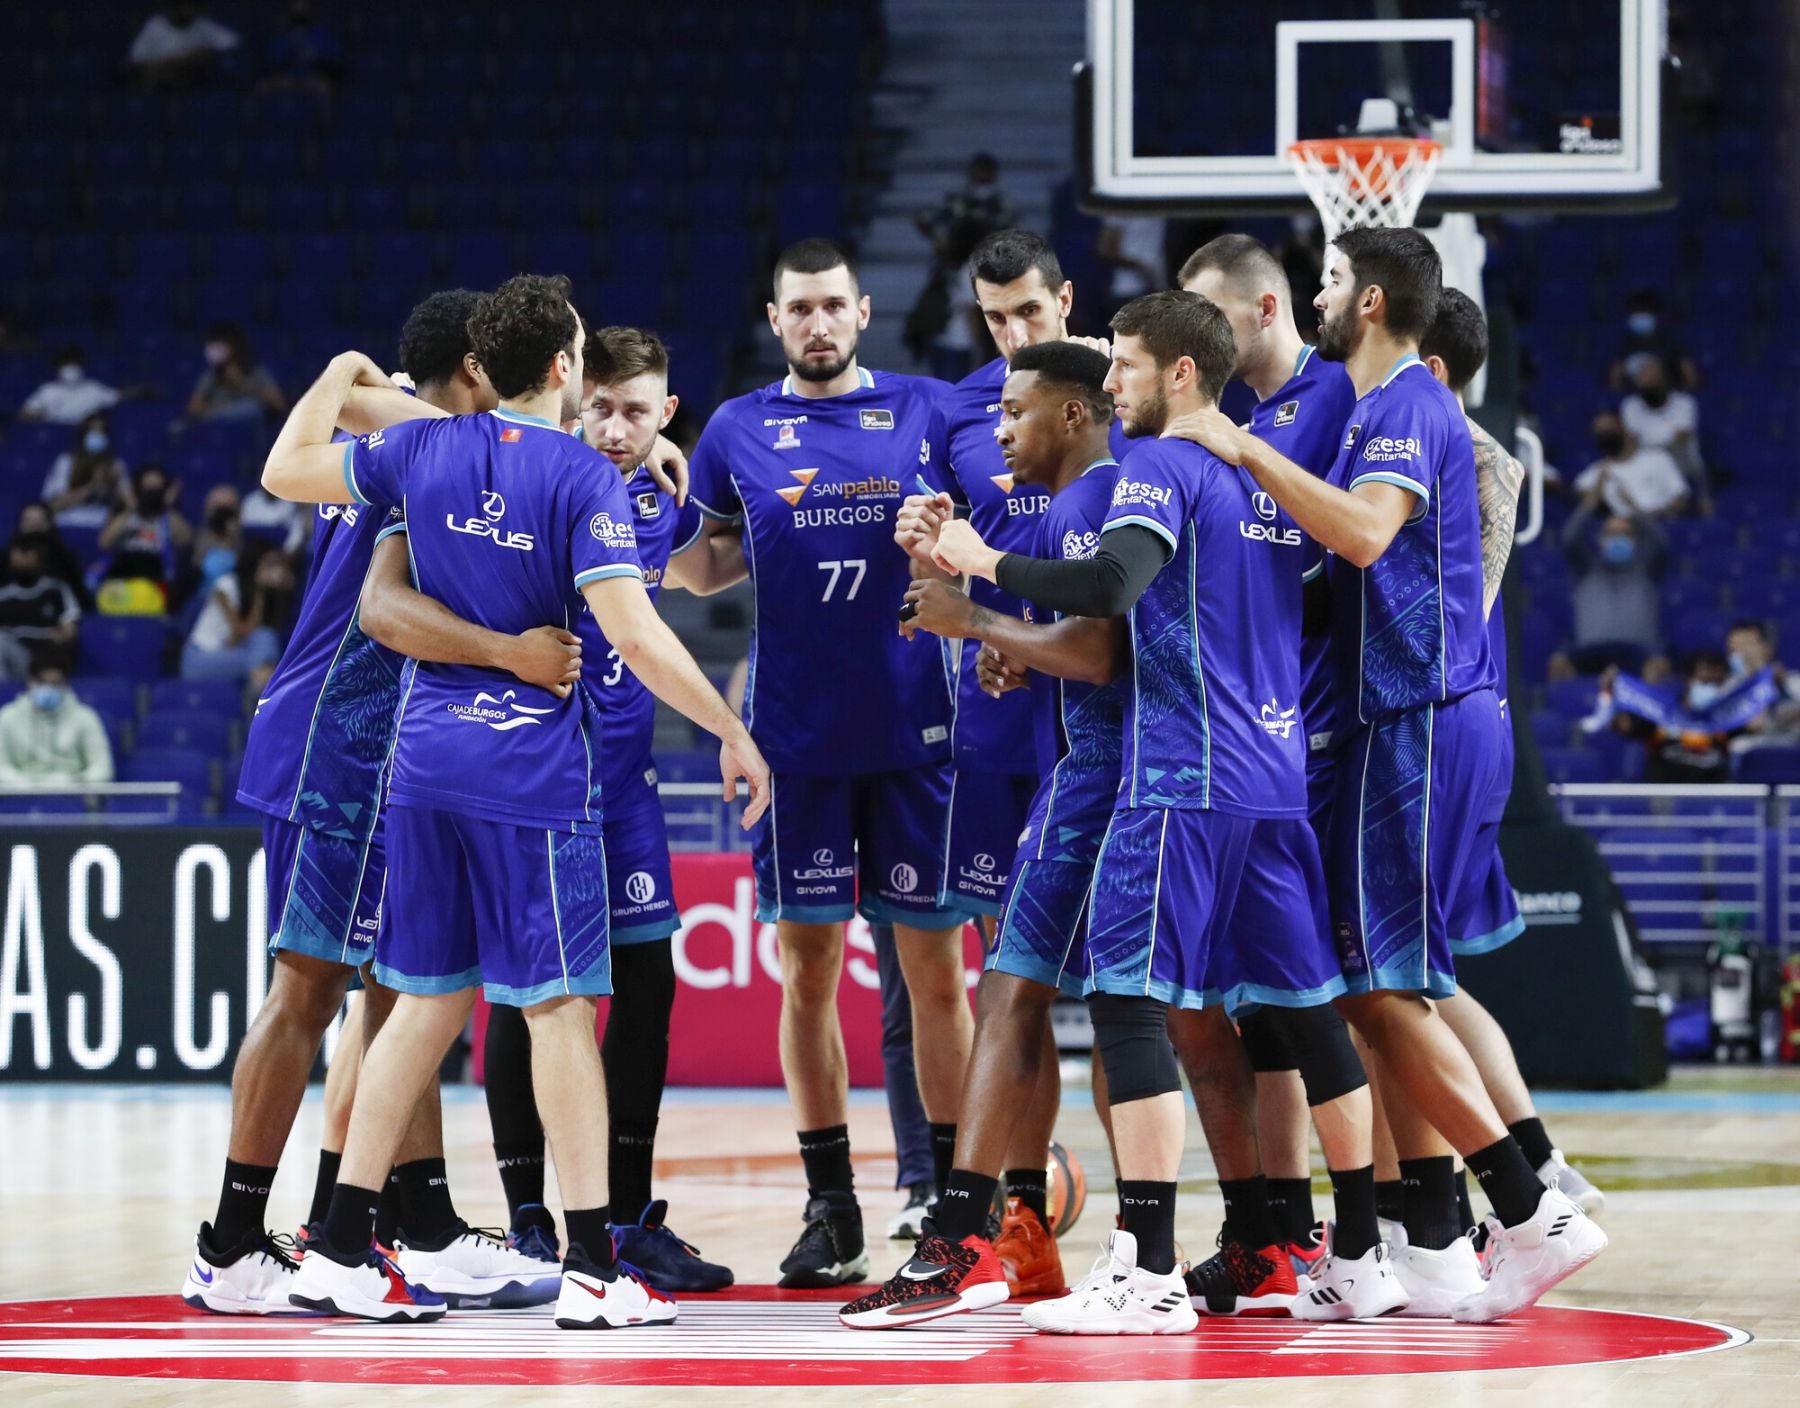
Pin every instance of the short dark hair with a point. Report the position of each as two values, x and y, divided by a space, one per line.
67 353
617 354
1242 259
1070 367
517 330
1006 255
435 339
815 255
1458 337
1173 324
1406 267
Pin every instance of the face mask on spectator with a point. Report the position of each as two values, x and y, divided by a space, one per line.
1739 665
217 354
94 442
1610 443
46 696
150 500
1655 397
1702 694
70 372
1643 324
1617 550
222 521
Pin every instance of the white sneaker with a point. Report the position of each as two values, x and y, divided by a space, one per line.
251 1278
908 1225
1558 1172
373 1289
1350 1290
1393 1233
1525 1261
591 1299
1118 1298
479 1271
1435 1281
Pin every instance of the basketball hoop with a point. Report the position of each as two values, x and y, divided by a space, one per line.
1357 181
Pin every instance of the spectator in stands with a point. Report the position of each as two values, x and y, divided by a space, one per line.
36 524
305 54
47 735
179 47
147 537
39 615
946 317
1617 588
86 480
1629 479
1131 246
233 385
1659 418
238 633
1685 754
220 537
71 396
1649 334
1748 649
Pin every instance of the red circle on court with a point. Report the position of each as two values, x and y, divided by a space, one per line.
755 1335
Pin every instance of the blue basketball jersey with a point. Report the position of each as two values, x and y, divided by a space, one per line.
1409 629
324 726
507 519
1213 721
833 688
1305 421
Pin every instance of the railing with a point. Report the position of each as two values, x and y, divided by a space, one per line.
39 805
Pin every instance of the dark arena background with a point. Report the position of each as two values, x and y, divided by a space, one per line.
203 205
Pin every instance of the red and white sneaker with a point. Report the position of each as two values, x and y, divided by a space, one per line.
942 1278
1306 1257
1241 1280
372 1289
613 1298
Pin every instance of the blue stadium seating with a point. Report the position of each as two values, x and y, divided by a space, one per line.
200 729
132 646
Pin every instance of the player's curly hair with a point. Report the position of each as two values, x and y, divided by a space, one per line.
436 336
517 330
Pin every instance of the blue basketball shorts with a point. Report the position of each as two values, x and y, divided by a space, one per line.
1277 950
1405 827
520 910
831 847
1164 889
639 886
987 815
1041 933
325 892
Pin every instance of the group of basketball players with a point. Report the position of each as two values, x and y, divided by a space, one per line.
1229 700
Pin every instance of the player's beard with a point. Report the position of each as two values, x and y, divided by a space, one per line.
1337 337
818 371
1152 417
571 403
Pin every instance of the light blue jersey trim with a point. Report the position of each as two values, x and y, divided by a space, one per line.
1133 521
877 910
1435 984
618 569
1399 481
864 380
1313 571
1158 989
1002 959
435 986
587 985
1247 997
1411 359
520 418
1306 353
699 530
708 511
390 530
1487 943
767 913
350 473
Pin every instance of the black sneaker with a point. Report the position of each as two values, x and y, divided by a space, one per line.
908 1225
1241 1280
830 1251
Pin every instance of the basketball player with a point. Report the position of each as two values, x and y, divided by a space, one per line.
855 720
497 870
1201 770
1400 518
626 405
313 766
1053 434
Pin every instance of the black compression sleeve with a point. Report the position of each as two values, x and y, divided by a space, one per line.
1106 584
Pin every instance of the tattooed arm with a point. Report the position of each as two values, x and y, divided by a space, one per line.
1497 479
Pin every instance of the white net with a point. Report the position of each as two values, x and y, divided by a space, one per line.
1363 181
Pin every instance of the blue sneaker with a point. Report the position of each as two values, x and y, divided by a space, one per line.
667 1262
536 1240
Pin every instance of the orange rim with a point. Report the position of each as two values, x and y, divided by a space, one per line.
1363 153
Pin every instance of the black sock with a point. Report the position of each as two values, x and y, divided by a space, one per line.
521 1168
635 1053
826 1154
328 1167
943 1153
588 1229
963 1202
1534 1143
387 1211
1031 1186
1432 1221
1465 1210
243 1202
426 1212
1390 1199
1247 1216
349 1223
1290 1201
1507 1180
1147 1211
1353 1194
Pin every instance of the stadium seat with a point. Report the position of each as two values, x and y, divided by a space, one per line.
191 769
132 646
221 697
199 729
1771 765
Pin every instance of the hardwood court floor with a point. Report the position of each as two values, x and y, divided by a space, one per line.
103 1187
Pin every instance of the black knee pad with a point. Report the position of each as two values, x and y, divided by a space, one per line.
1326 1057
1132 1037
1266 1044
